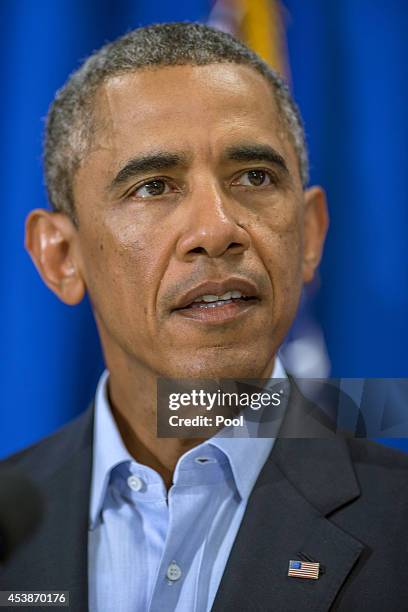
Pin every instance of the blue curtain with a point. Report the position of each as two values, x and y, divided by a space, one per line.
349 73
349 68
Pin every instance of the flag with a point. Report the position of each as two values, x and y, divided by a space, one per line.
259 24
304 569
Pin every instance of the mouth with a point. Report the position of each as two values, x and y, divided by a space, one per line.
218 302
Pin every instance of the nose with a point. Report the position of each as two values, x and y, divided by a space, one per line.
210 227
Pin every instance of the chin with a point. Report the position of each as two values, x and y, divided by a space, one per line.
223 363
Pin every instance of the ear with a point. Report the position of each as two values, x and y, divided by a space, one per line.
51 240
316 223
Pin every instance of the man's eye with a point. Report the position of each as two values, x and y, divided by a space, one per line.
254 178
156 187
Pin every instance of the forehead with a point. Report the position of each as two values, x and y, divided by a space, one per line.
197 109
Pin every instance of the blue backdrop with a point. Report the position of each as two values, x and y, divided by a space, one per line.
349 73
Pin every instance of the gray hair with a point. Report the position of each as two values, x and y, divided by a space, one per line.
69 125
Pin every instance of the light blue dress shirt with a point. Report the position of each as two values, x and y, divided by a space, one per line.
152 550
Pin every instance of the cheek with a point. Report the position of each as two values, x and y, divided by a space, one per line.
283 262
279 242
280 234
125 260
114 260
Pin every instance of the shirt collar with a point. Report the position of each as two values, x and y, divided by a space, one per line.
109 450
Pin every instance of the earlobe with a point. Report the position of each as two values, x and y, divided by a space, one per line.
50 240
316 222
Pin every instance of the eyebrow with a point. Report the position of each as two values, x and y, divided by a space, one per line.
256 152
165 160
153 162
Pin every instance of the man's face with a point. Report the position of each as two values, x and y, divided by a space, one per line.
192 189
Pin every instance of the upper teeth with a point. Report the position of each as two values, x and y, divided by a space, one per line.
216 298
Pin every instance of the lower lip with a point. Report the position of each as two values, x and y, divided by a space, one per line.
218 313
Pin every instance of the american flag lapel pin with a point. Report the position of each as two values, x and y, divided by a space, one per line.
308 568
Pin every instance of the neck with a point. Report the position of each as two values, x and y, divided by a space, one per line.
132 396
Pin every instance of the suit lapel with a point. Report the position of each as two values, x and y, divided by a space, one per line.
59 547
63 555
301 484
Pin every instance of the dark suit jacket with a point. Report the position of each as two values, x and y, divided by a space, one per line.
343 502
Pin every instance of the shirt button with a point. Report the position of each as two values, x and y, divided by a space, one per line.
135 483
173 571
